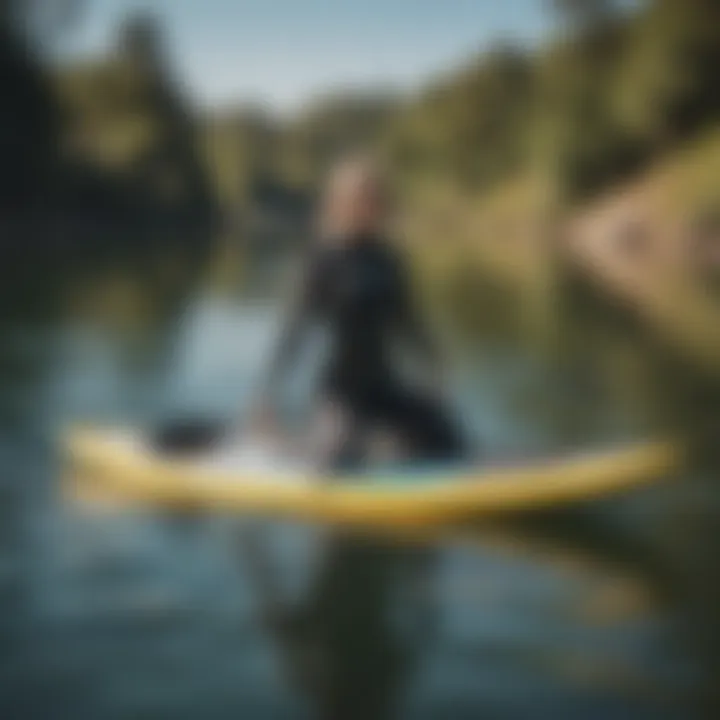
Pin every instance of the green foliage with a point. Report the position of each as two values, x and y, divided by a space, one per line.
124 116
668 84
579 142
99 170
335 125
245 147
472 126
237 146
621 83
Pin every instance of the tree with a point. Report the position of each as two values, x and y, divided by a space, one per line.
28 124
140 42
41 21
584 14
668 83
473 125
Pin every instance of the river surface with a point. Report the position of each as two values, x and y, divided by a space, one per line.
604 612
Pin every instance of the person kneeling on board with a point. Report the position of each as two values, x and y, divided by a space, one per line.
356 283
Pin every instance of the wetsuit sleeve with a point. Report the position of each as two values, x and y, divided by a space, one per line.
302 307
411 324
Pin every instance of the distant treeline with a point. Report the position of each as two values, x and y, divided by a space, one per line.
249 152
620 84
104 160
99 166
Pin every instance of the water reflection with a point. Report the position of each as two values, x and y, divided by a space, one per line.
349 645
606 611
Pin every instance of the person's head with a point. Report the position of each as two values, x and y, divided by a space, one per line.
355 199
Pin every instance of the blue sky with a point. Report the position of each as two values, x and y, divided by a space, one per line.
284 52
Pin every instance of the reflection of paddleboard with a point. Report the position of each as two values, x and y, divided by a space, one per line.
119 465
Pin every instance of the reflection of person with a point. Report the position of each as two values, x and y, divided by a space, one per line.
356 284
344 649
366 659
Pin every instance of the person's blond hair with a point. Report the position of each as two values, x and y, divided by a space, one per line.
361 169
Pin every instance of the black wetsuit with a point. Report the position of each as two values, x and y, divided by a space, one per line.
360 291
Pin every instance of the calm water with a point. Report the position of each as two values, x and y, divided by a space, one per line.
607 612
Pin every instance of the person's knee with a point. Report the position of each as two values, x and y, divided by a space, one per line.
329 430
386 445
436 435
338 438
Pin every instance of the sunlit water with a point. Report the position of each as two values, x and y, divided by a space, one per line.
135 615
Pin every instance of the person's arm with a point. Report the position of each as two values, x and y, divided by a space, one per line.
300 311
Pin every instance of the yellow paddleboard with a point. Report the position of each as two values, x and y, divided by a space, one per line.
103 463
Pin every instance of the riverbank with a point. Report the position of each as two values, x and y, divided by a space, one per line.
636 245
